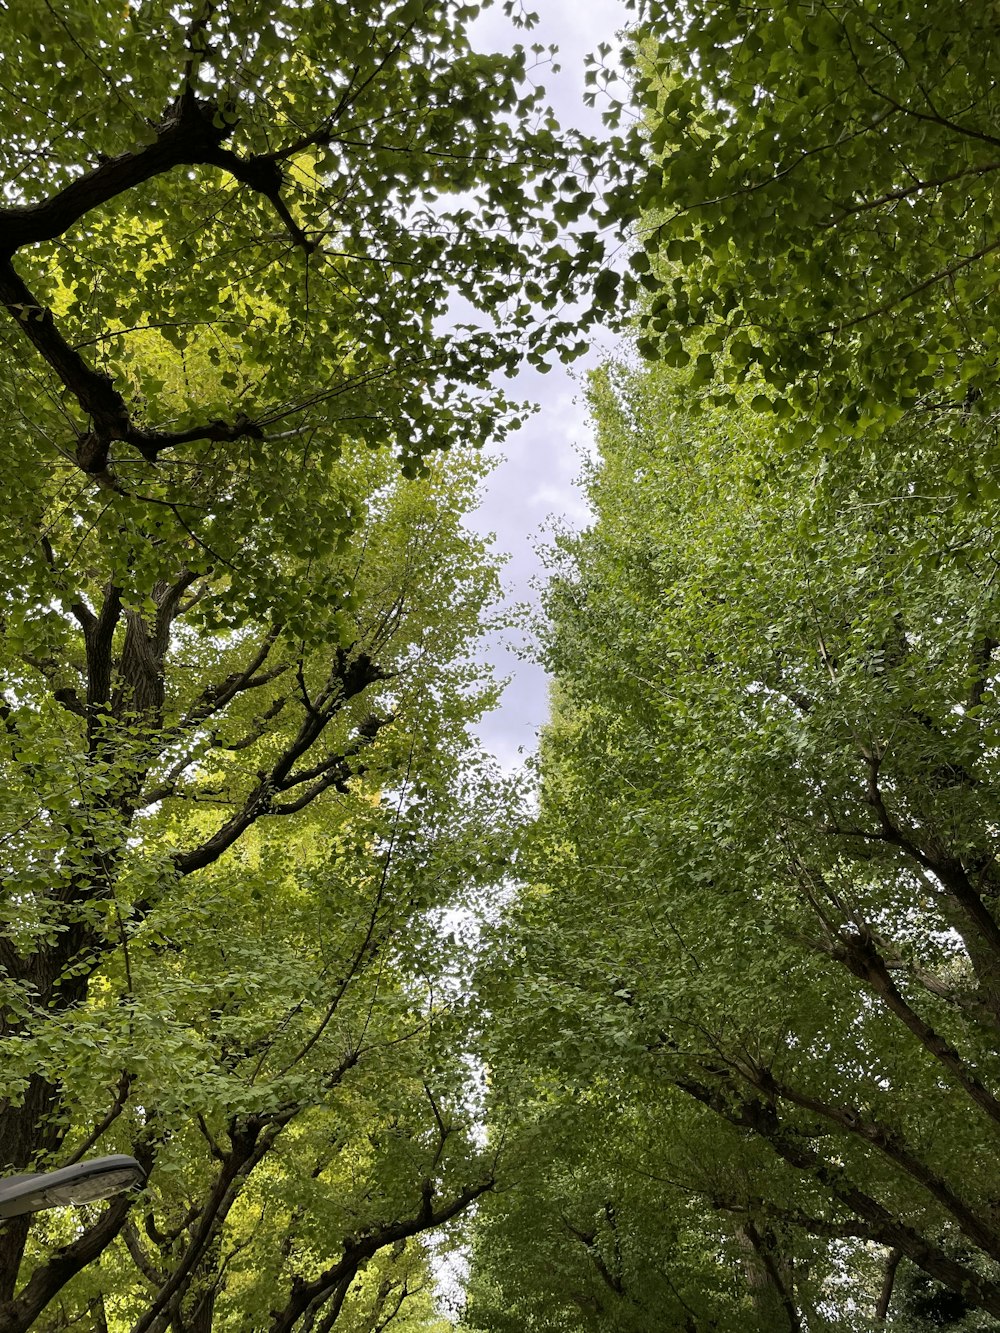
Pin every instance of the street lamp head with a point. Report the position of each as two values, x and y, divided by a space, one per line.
86 1182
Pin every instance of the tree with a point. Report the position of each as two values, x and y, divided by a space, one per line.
816 202
762 882
237 249
919 1303
587 1216
226 854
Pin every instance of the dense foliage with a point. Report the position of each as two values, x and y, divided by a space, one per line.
760 945
258 261
221 942
744 1012
818 199
737 1020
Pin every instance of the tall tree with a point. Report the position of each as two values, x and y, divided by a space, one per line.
226 854
294 195
764 870
236 251
587 1229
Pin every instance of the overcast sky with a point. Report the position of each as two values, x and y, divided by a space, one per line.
535 480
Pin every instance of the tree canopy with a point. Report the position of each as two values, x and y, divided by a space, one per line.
289 197
758 942
261 263
817 205
743 1011
221 944
709 1041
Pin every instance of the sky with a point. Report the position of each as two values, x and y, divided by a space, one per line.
534 485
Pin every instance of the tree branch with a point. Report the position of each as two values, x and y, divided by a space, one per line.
357 1251
191 133
762 1119
860 955
891 1144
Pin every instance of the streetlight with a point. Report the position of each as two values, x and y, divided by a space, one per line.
86 1182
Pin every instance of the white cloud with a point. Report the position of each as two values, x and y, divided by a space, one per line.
535 482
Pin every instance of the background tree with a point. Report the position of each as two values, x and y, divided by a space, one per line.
763 874
589 1215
